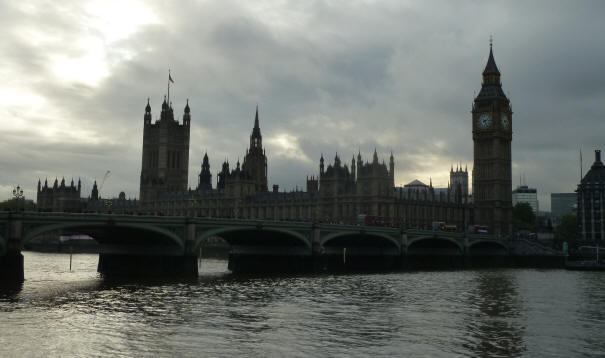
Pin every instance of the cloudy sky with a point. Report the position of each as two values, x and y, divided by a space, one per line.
328 76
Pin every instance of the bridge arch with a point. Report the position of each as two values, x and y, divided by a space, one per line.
29 234
385 237
486 246
435 239
204 234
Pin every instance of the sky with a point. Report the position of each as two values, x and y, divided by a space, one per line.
328 76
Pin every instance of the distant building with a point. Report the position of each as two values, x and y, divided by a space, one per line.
525 194
339 192
492 137
562 204
59 197
590 202
165 159
459 181
119 205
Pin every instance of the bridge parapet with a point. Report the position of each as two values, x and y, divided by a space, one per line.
173 237
330 232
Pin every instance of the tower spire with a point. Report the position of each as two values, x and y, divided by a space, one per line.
490 67
256 139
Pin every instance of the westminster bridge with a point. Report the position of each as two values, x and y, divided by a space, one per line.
161 245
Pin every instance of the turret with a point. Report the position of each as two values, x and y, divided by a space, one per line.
312 185
375 158
222 176
166 111
205 177
321 165
353 169
147 116
94 195
186 114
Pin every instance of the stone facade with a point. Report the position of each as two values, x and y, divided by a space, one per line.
459 181
59 197
338 193
165 157
492 136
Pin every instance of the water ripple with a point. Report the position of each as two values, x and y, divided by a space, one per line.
475 313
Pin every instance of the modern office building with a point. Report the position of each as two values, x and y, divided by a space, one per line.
590 202
562 204
525 194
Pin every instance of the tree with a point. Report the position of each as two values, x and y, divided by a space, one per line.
16 204
524 217
567 230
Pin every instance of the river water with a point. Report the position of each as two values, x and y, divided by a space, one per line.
467 313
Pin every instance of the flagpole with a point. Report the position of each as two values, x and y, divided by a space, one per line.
581 173
169 87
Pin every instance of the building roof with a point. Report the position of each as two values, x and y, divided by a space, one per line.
596 174
415 182
491 88
525 189
490 67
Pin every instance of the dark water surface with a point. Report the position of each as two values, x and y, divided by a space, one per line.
473 313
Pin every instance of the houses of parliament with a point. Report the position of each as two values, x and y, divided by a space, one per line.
340 191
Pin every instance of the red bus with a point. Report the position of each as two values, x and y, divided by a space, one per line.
481 229
371 220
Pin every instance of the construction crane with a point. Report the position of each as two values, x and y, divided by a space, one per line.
103 181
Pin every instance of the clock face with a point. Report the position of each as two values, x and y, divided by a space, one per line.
505 121
484 120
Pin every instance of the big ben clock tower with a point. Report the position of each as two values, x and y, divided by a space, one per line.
492 136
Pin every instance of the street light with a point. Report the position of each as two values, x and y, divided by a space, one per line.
19 198
18 192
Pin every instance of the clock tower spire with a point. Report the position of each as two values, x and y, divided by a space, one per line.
492 136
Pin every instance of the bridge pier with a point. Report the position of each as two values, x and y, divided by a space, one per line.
258 263
147 265
11 263
360 259
11 269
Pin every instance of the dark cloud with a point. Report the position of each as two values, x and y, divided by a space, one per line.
328 77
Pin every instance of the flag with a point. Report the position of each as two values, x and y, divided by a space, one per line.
170 78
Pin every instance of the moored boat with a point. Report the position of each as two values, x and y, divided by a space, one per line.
587 264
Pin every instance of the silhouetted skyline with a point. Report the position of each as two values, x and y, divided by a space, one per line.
337 77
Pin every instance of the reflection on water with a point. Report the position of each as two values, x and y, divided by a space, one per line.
494 329
485 313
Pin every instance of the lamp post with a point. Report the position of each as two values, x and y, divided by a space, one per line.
19 197
18 193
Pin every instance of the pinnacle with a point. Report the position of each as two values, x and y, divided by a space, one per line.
491 68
